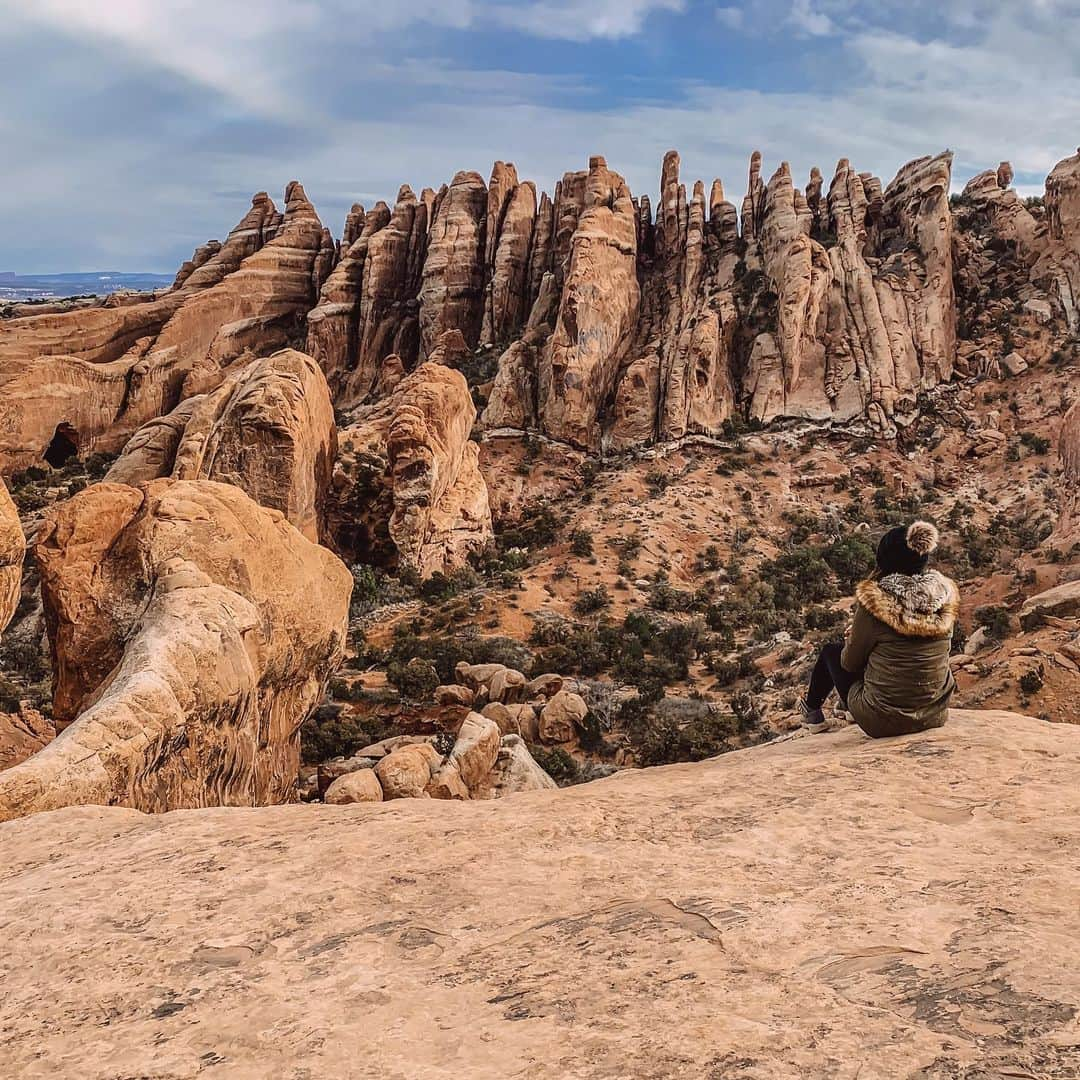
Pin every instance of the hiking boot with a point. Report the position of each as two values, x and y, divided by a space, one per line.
812 719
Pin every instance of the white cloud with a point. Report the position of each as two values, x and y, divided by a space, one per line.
805 18
989 81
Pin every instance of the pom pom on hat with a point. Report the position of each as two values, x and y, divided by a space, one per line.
922 537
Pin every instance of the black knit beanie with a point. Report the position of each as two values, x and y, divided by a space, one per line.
906 549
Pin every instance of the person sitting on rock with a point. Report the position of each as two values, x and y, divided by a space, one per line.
891 672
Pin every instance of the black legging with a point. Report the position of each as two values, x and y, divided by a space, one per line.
829 674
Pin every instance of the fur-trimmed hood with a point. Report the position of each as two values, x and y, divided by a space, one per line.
915 605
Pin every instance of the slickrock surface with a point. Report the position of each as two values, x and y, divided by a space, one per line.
826 907
193 631
12 550
407 476
268 429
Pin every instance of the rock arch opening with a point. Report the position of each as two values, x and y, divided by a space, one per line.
64 446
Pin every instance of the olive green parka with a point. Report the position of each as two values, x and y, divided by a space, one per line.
900 641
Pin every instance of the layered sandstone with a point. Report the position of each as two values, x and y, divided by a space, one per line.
693 921
452 285
1067 533
12 550
406 485
99 373
597 312
192 632
1060 262
268 429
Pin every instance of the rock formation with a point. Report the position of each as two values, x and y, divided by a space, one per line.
268 429
12 549
691 921
452 288
99 373
616 328
406 486
1060 262
1067 534
192 632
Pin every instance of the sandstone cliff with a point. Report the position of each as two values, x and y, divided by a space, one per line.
903 909
99 373
12 549
192 632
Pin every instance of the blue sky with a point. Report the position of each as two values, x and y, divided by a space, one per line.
135 129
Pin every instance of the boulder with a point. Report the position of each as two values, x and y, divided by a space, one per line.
406 483
516 770
465 772
560 716
544 686
354 787
1039 310
1014 363
328 772
268 429
406 772
193 631
454 695
515 720
1062 601
507 686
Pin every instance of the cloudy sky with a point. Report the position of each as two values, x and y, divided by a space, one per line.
135 129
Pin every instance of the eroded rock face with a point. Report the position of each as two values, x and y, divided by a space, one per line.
597 313
1061 260
452 286
192 632
12 550
1067 533
268 429
103 371
406 485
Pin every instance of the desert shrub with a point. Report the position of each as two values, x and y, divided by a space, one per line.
416 679
373 588
592 600
851 558
581 543
443 586
1037 444
657 480
557 763
996 620
539 527
332 732
1031 682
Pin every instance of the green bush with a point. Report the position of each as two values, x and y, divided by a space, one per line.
996 620
416 679
581 543
332 732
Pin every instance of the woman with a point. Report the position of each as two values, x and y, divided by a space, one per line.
891 672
